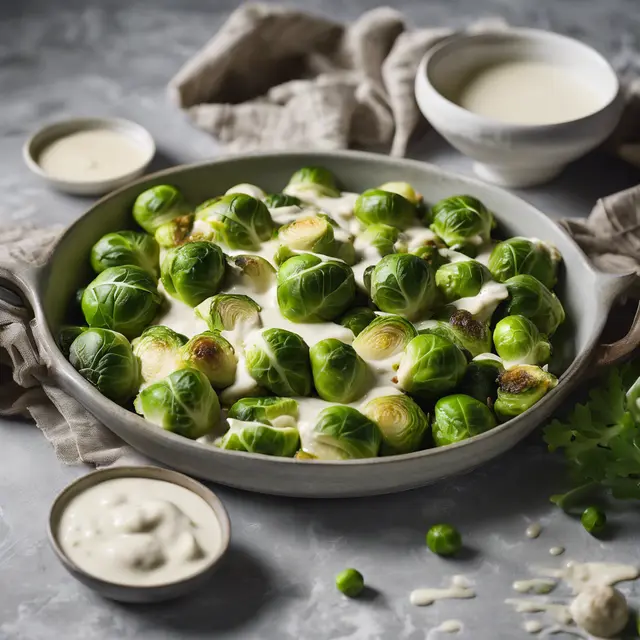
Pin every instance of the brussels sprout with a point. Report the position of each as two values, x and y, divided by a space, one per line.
430 366
256 437
343 433
461 279
404 189
462 222
158 205
339 373
384 337
381 236
430 253
193 272
530 298
366 278
312 289
444 540
316 181
357 319
403 284
214 356
248 190
519 388
105 359
593 520
309 233
518 341
459 417
237 220
279 361
481 379
279 200
66 336
252 272
518 256
123 299
463 330
377 206
158 351
175 232
350 582
183 403
401 421
125 247
278 412
225 311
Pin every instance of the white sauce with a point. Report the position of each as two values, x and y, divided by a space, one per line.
529 93
460 589
580 575
483 305
559 612
535 585
532 626
533 530
139 531
93 155
447 626
248 190
556 551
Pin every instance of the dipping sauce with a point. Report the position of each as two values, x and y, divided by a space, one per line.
92 155
529 93
139 531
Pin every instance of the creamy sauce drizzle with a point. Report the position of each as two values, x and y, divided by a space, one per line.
447 626
533 530
556 551
460 589
535 585
532 626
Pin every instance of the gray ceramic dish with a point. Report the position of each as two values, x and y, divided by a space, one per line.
124 592
586 294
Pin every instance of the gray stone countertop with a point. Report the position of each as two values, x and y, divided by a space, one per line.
114 58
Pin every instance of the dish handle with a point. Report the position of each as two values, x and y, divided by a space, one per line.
17 289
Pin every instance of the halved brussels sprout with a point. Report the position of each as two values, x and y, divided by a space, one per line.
403 284
530 298
461 279
193 272
309 233
279 200
312 289
404 189
158 351
378 206
383 237
517 256
343 433
357 319
459 417
315 181
248 190
481 379
384 337
183 403
278 360
123 248
463 330
519 388
339 373
518 341
462 222
67 335
105 359
256 437
251 271
124 299
401 421
430 366
175 232
278 412
158 205
214 356
237 220
226 311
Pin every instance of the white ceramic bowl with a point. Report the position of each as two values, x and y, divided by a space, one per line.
34 146
507 154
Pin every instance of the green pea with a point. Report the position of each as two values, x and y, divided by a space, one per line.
593 520
444 540
350 582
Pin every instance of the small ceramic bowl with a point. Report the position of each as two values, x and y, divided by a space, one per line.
508 154
40 140
137 593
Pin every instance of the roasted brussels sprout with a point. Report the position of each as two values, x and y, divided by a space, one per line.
463 330
404 189
518 256
530 298
383 237
430 366
481 379
312 289
67 335
384 337
312 182
519 388
226 311
462 222
278 360
124 299
518 341
105 359
248 190
252 272
158 205
175 232
309 233
459 417
278 412
339 373
237 220
279 200
430 253
377 206
158 351
401 421
343 433
214 356
257 437
183 403
123 248
461 279
357 319
193 272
